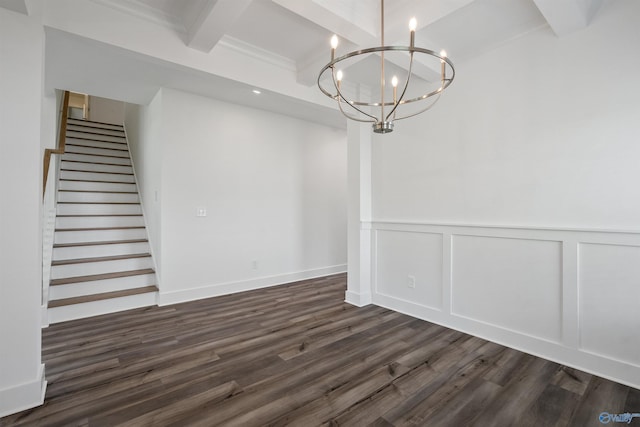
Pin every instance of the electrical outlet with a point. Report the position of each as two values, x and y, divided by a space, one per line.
411 281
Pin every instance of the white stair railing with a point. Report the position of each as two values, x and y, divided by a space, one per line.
50 187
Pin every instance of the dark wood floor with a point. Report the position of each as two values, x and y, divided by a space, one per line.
297 354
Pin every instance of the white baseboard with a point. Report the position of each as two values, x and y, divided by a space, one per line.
44 317
23 396
208 291
359 300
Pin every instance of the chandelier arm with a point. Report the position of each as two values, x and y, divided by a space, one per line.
354 118
406 85
340 96
331 64
423 110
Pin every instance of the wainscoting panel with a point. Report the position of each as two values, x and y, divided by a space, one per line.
567 295
609 289
414 270
515 284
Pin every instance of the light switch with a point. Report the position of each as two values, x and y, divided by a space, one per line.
201 212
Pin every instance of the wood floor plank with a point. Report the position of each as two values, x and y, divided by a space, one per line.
297 354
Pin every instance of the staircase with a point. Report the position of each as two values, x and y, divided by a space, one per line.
101 259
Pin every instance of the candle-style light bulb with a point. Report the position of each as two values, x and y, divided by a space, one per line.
334 45
339 78
334 41
443 67
413 24
412 31
394 83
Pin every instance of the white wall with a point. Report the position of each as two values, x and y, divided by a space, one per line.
21 373
541 132
144 132
515 202
106 110
274 189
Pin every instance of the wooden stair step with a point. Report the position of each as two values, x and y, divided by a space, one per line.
133 227
101 296
83 121
86 171
103 276
98 191
84 180
97 133
94 215
106 242
100 148
94 163
93 155
97 140
98 203
99 259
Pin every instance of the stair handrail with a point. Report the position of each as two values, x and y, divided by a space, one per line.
62 135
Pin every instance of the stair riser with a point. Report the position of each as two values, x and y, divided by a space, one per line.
100 250
71 127
98 235
90 268
98 209
93 125
92 176
96 144
90 167
96 159
96 186
101 286
75 134
99 221
66 196
79 149
95 308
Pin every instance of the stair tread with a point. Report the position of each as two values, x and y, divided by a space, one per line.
96 133
103 276
94 215
101 296
130 227
105 242
94 163
93 121
99 259
86 171
80 153
98 203
89 146
94 140
99 191
103 182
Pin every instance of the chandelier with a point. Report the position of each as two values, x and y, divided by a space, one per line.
382 113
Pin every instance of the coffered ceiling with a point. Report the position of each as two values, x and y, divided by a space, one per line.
290 34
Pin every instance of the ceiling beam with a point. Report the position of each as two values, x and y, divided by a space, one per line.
332 20
213 22
19 6
569 16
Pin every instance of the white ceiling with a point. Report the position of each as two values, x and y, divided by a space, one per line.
295 32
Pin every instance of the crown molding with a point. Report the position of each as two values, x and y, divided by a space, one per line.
258 53
144 11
